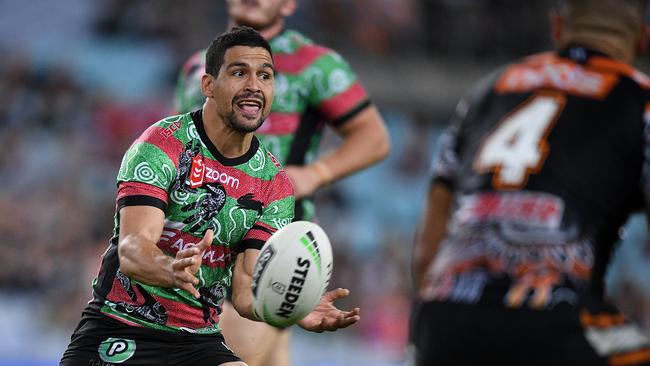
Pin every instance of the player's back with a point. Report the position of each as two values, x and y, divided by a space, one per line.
545 160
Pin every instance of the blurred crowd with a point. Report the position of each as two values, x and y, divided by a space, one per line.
63 132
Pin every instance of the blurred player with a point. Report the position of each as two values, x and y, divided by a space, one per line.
541 166
198 196
314 86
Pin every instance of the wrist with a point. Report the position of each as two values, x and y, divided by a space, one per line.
324 173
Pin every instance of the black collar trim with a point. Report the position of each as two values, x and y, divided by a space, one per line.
197 117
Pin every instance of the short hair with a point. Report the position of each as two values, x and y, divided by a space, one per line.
620 18
237 36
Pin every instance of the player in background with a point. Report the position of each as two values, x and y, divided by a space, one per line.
198 196
542 163
314 86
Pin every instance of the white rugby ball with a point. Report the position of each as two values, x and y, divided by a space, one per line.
291 273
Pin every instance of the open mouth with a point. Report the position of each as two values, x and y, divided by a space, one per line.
250 108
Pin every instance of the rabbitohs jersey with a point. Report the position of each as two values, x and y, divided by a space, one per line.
313 85
175 167
546 159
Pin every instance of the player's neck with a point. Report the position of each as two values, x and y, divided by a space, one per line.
268 32
229 142
610 46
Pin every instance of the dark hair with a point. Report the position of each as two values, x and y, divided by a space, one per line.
237 36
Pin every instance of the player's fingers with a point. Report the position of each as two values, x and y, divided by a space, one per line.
339 293
206 241
180 264
182 277
185 253
191 289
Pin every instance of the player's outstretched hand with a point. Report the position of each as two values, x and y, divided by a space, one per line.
187 263
326 316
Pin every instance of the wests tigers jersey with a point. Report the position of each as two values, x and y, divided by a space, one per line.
546 159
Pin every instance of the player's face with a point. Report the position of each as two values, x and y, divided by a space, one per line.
243 89
259 14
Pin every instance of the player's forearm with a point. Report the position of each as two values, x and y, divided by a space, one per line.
432 231
143 261
365 142
242 294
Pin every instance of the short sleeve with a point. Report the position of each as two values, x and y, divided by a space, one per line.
146 171
335 89
277 213
188 96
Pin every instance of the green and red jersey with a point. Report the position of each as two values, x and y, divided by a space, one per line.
175 167
313 85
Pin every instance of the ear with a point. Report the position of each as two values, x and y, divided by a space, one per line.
206 85
644 38
289 7
557 27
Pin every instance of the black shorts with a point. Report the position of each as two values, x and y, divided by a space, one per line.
101 341
457 334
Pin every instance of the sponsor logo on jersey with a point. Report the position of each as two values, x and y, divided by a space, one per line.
534 209
569 77
223 178
197 172
116 350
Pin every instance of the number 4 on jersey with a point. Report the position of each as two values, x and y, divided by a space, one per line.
517 146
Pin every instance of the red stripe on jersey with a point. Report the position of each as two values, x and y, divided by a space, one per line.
280 124
162 138
179 314
126 189
294 63
340 104
173 240
183 315
281 188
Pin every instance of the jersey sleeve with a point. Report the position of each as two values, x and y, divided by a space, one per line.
145 175
188 96
336 92
277 213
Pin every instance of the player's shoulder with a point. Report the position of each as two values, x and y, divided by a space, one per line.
196 60
296 44
267 160
167 128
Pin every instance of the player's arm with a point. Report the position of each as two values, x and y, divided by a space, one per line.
344 104
365 142
142 260
242 279
432 230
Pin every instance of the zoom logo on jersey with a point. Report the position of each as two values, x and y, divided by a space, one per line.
295 288
223 178
116 350
262 262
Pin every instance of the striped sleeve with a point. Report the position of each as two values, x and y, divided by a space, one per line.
336 91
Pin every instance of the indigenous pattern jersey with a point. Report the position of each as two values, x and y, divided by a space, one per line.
546 161
313 85
175 167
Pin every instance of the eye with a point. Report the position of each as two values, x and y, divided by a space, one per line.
265 76
237 73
